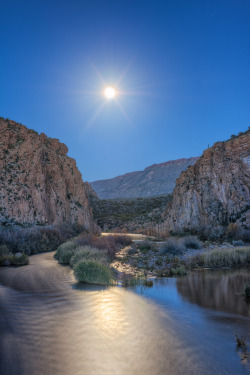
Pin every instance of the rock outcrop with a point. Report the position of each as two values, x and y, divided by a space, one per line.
155 180
215 191
39 183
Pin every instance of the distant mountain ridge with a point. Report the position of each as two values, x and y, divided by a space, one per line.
155 180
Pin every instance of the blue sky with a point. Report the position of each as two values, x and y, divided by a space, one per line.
182 67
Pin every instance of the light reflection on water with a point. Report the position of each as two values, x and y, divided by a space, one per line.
51 325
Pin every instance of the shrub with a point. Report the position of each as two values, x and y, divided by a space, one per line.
145 246
67 247
89 253
103 243
4 250
93 272
191 242
178 271
123 240
37 238
238 243
21 260
173 246
14 260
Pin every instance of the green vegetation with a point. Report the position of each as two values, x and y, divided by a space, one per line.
178 271
114 213
145 246
36 239
9 259
177 246
89 253
90 256
91 271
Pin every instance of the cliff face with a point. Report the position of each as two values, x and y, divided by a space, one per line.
39 183
215 191
155 180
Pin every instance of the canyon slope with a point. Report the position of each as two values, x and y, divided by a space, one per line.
155 180
214 192
39 183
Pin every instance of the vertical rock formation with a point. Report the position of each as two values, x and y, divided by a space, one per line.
39 183
215 191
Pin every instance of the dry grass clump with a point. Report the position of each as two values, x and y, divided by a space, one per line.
224 257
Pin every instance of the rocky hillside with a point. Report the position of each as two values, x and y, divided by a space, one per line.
215 191
39 183
158 179
139 215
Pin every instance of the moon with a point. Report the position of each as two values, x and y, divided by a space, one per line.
109 92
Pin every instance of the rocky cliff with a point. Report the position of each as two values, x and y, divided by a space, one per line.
215 191
39 183
155 180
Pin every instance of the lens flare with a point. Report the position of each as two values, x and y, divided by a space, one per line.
110 93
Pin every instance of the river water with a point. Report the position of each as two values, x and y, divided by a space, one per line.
50 325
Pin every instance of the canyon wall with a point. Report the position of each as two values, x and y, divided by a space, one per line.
39 183
215 190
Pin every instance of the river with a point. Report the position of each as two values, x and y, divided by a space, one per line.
50 325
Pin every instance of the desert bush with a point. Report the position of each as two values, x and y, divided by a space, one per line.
145 246
244 235
93 272
4 250
232 231
123 240
68 246
21 260
178 271
172 246
238 243
14 260
103 243
89 253
191 242
224 257
37 238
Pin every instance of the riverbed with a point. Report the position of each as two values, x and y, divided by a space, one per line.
51 325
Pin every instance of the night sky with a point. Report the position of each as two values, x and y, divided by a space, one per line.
182 69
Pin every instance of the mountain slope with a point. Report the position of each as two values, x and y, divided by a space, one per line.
39 183
215 191
158 179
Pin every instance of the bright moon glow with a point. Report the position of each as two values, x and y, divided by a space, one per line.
109 93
